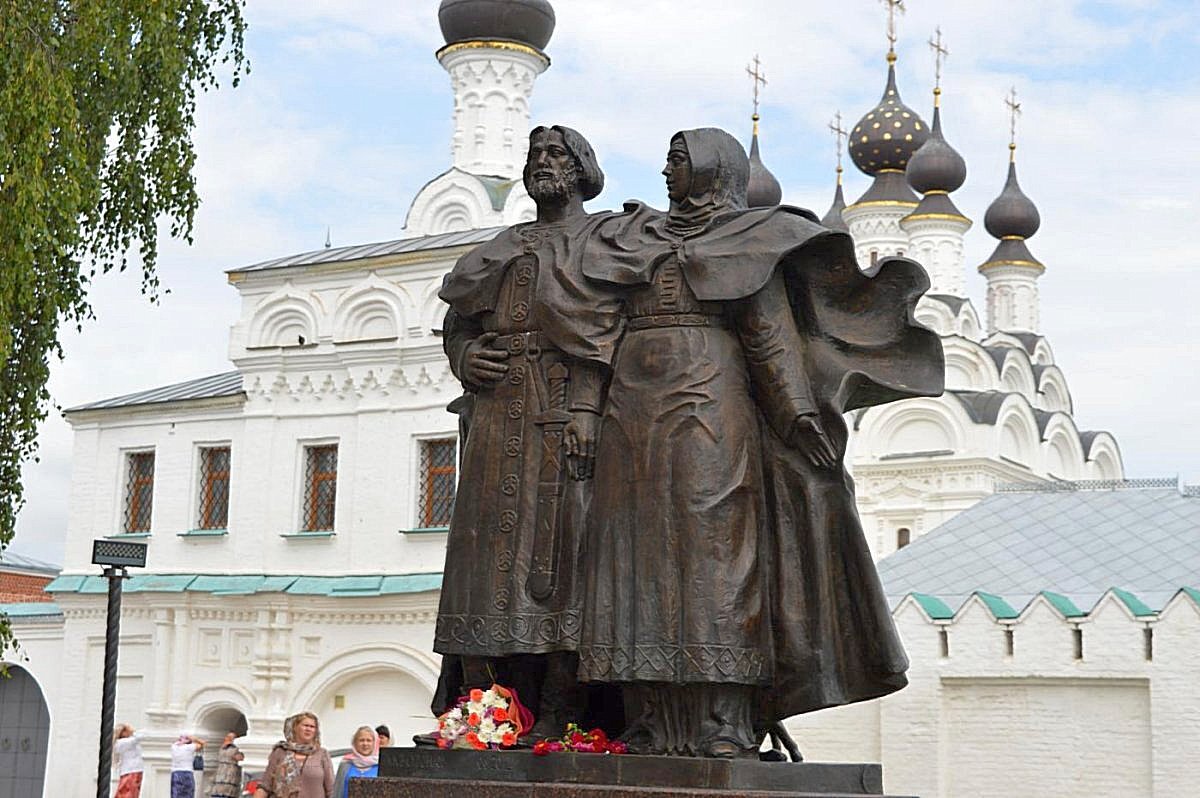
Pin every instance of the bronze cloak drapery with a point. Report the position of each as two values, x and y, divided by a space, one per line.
833 641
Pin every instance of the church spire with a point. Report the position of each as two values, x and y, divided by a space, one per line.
1012 271
763 190
833 217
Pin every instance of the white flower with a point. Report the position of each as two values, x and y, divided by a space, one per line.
490 697
475 707
455 714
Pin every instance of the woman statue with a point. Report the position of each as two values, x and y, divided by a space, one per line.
728 584
298 766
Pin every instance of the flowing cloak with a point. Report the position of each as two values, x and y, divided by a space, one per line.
487 609
833 638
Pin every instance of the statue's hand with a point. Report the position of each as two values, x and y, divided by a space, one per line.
484 365
580 439
808 436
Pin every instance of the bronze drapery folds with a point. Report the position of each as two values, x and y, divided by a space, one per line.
653 475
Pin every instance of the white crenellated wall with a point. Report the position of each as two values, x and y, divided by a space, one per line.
983 723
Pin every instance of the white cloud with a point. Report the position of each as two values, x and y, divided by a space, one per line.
347 114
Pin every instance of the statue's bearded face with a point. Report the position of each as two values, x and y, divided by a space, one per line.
551 175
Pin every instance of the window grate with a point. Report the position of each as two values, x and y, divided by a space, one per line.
320 487
438 475
139 491
214 488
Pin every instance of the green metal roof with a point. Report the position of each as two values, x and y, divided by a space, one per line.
247 584
1063 604
1135 605
1001 610
30 609
934 607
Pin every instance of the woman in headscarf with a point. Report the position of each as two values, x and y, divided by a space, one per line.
727 574
361 763
183 757
227 781
298 766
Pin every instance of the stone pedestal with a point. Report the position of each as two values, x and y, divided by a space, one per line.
430 773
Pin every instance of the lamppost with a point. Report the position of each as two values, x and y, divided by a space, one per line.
115 556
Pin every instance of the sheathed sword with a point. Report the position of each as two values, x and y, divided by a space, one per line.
547 540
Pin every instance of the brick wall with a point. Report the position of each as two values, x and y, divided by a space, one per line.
18 588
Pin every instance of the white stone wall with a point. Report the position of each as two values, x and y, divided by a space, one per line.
875 227
983 723
190 660
937 244
1012 298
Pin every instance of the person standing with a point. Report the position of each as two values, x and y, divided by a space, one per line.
183 755
385 735
227 782
361 763
298 766
127 753
531 340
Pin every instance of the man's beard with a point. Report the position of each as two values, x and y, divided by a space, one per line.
556 189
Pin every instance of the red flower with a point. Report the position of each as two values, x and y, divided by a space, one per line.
477 695
617 747
499 714
553 745
598 735
508 739
475 742
473 719
540 748
443 743
577 738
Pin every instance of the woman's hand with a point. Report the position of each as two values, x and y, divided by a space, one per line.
580 439
485 365
808 436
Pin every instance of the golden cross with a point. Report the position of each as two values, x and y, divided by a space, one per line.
839 133
893 6
1014 110
758 77
940 52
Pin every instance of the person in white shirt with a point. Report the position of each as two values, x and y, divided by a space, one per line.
183 752
127 756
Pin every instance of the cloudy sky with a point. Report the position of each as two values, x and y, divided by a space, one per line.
346 113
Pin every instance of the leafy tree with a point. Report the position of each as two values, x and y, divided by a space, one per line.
97 108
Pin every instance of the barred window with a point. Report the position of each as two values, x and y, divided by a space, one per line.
320 487
214 488
139 490
437 482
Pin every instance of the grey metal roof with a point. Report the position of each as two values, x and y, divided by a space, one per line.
955 303
227 384
360 251
11 559
1073 539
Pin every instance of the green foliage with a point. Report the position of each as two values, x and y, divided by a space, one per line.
97 106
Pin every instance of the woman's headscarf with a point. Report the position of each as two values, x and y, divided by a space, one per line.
284 782
720 174
358 760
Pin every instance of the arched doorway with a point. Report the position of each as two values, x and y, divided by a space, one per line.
24 735
370 697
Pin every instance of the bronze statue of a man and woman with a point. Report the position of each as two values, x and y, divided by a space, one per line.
654 530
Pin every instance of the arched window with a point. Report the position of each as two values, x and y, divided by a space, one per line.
903 537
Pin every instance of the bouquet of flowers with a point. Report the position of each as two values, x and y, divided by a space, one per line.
491 718
579 741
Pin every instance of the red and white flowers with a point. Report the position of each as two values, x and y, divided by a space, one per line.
491 718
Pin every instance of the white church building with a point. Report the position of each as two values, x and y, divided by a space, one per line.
296 506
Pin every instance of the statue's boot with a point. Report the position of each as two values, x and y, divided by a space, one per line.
561 699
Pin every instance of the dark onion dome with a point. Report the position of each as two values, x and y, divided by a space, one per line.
763 190
528 22
935 170
936 166
889 134
833 217
1012 213
1012 217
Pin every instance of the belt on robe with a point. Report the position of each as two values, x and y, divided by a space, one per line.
530 342
676 320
